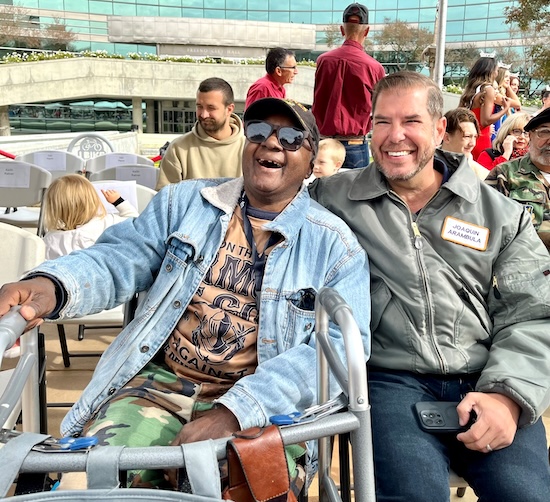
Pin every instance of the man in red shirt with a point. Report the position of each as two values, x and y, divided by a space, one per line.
280 65
344 80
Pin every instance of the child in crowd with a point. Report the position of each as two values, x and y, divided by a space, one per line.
330 158
75 217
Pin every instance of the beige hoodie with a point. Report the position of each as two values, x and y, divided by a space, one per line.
197 155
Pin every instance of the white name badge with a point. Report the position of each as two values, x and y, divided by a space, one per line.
465 234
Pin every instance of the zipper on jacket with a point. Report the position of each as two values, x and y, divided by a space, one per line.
418 245
496 291
417 236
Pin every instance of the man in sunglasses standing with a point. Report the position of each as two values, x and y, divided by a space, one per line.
280 65
527 179
224 338
344 80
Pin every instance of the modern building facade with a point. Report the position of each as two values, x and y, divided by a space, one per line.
222 29
481 22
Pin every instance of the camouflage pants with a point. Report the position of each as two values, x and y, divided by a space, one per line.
150 411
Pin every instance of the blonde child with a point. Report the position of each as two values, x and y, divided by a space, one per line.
330 158
75 217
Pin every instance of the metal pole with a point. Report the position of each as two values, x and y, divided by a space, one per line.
440 43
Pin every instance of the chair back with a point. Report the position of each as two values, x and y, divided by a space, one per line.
110 160
144 196
21 251
58 162
144 175
89 145
23 184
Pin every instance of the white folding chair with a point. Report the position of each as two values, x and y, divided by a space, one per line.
58 162
115 159
21 251
89 145
22 185
144 175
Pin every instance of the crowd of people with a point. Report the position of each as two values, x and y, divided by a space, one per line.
440 245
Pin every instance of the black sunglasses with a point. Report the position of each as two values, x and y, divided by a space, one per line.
290 138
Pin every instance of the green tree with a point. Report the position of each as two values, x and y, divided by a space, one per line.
532 18
332 34
20 30
401 45
56 37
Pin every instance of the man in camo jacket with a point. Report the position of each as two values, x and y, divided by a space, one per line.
527 179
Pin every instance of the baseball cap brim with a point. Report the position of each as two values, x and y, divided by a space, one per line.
303 118
542 118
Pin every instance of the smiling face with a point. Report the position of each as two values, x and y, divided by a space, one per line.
212 112
404 135
272 175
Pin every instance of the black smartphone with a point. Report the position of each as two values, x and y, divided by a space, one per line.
440 417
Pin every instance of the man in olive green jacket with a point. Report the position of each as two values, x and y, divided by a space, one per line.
460 288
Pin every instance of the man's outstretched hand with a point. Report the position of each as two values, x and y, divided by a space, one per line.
36 297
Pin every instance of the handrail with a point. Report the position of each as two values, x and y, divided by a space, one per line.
353 382
23 383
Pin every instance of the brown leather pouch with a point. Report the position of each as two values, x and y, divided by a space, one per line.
258 470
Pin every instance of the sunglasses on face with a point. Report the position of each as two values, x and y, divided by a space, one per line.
290 138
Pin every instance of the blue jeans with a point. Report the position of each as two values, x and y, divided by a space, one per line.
356 155
412 465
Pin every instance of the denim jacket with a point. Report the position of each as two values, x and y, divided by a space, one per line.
167 251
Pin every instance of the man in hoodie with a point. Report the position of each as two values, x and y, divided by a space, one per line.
213 148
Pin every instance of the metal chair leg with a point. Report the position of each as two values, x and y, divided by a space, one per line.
63 343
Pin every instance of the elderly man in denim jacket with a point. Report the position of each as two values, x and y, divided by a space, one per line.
225 336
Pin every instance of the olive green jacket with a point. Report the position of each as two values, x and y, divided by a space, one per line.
461 287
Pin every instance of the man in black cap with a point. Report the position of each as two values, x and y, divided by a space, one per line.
344 80
527 179
224 338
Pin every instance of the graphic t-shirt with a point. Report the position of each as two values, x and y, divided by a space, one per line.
214 343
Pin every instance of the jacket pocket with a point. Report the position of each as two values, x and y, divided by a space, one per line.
473 305
175 263
300 319
380 298
521 293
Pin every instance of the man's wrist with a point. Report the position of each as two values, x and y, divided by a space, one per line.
61 295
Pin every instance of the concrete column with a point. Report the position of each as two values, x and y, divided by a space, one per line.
137 114
150 120
4 122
